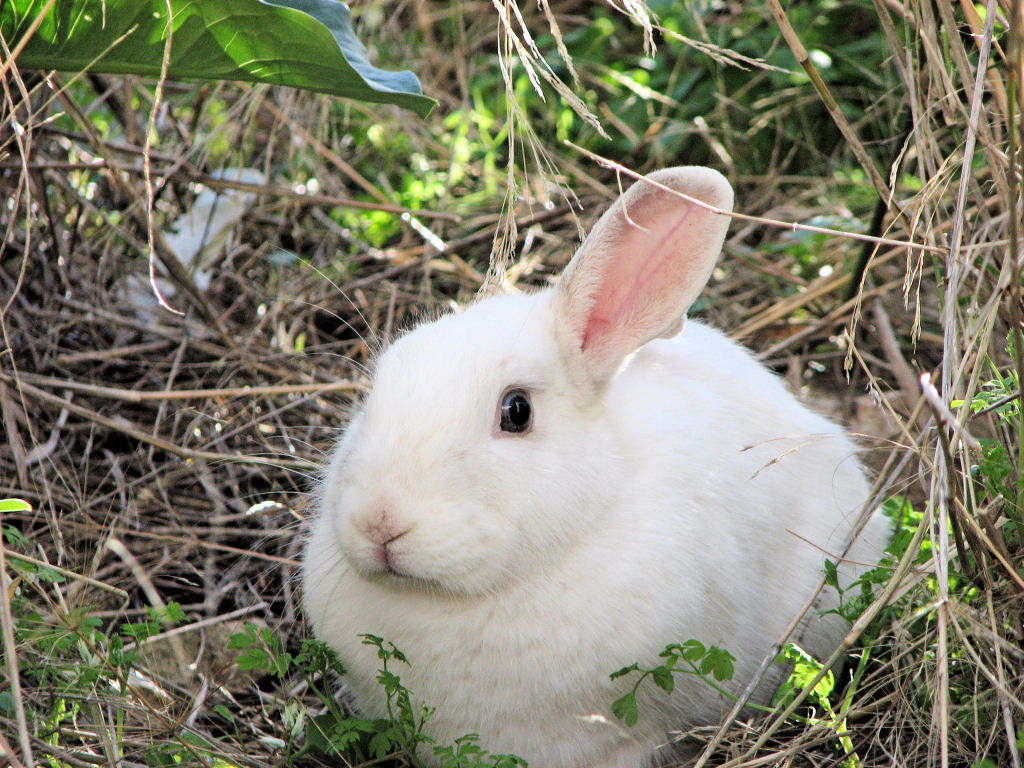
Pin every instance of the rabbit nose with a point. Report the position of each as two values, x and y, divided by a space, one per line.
381 529
382 533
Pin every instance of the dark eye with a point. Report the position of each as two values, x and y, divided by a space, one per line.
516 411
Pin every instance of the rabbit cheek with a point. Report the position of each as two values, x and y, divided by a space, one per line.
367 558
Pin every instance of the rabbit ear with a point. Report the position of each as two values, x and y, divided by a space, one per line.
640 269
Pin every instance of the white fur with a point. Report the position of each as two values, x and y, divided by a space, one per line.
669 489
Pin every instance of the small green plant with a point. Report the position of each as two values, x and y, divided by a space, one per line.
358 740
467 753
995 472
190 748
806 670
80 660
261 650
403 726
714 665
709 663
333 733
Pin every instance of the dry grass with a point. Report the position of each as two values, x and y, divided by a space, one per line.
167 457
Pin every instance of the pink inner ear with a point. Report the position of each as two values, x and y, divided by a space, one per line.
638 275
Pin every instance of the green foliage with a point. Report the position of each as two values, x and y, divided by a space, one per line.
810 251
707 662
300 43
727 72
353 739
805 669
79 659
467 753
18 541
999 396
914 610
906 521
995 472
191 748
348 736
809 673
261 650
73 654
475 142
704 662
14 505
168 615
404 725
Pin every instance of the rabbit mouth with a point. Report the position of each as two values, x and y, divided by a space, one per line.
373 545
372 559
389 573
389 561
409 556
389 565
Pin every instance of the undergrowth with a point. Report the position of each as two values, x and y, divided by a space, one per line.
155 467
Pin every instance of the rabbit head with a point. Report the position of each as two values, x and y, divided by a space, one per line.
484 447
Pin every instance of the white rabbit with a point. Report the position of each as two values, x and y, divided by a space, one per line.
540 490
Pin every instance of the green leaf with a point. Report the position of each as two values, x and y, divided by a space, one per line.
14 505
634 667
508 761
805 669
625 709
380 745
318 733
718 662
331 735
398 656
161 756
254 659
249 636
392 684
196 740
13 536
140 631
692 650
831 574
306 44
317 658
261 650
663 678
171 613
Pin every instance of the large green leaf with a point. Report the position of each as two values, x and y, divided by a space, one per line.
300 43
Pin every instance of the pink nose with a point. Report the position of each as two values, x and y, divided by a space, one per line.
382 529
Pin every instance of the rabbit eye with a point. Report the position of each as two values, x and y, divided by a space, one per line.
516 412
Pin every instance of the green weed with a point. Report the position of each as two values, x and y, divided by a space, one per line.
348 737
709 663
